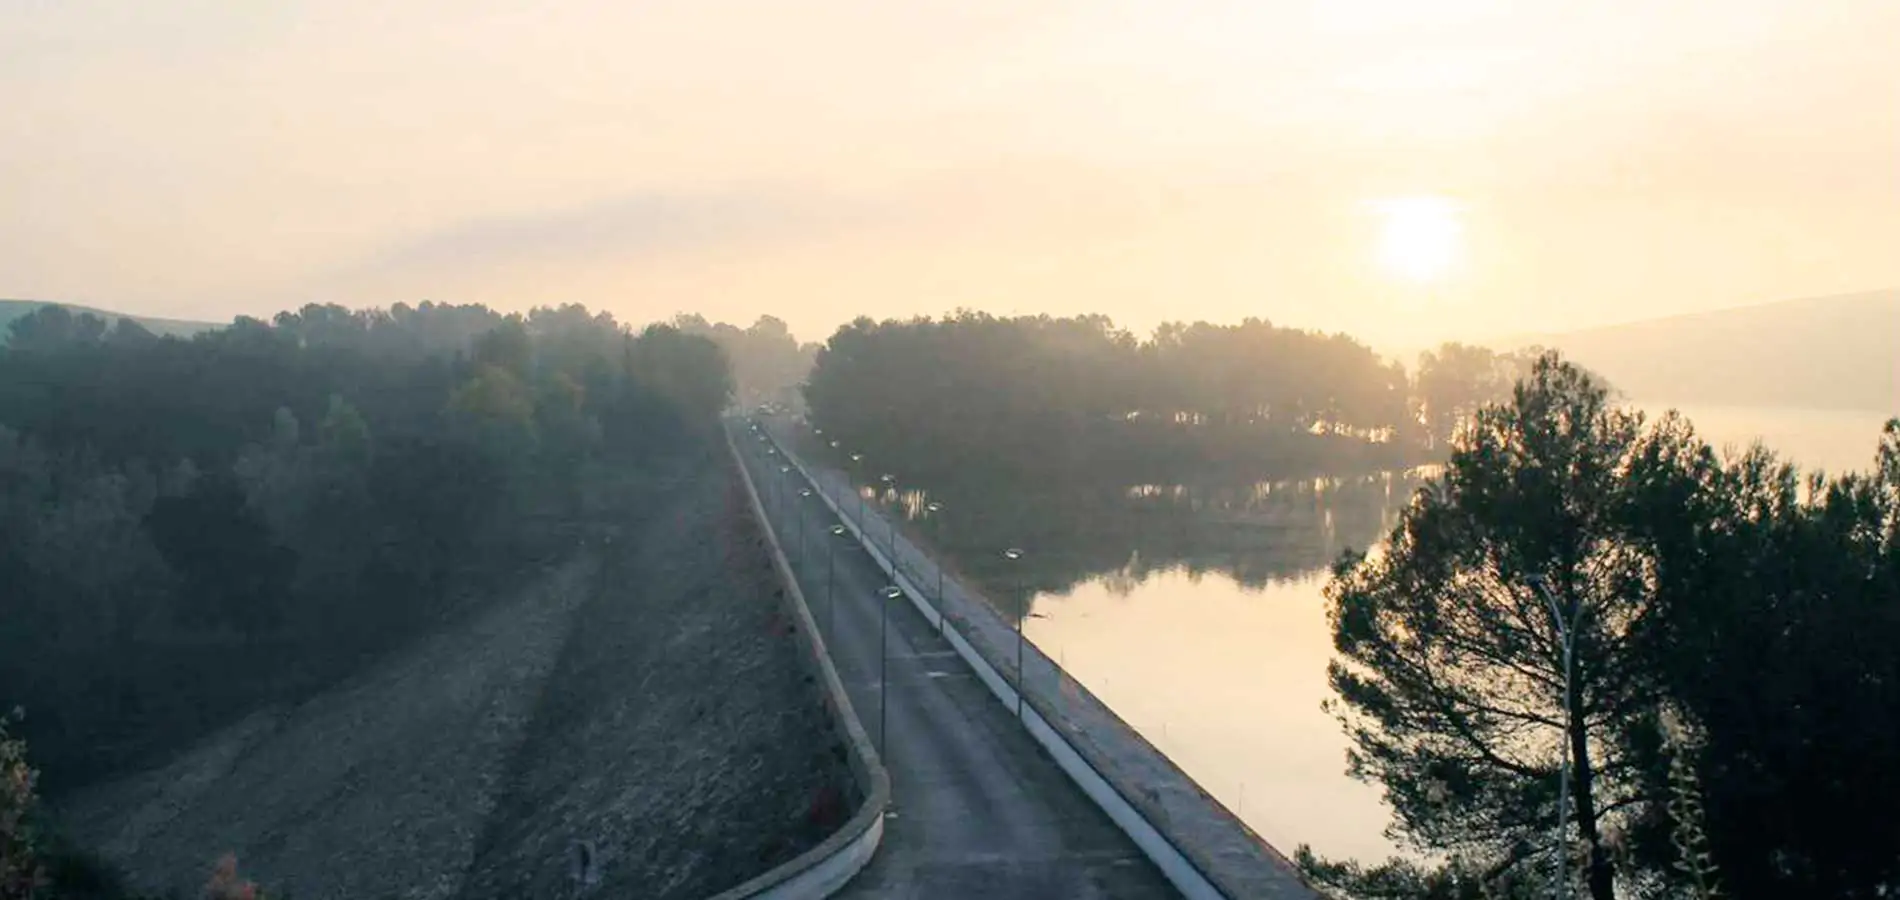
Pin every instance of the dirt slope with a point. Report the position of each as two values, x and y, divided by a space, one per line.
679 733
377 788
639 695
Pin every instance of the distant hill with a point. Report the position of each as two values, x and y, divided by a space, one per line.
13 309
1837 352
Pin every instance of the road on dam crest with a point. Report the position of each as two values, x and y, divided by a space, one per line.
978 809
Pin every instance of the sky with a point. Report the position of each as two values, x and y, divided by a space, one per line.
1401 170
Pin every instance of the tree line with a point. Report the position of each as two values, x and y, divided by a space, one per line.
1121 535
768 364
1079 399
1728 723
192 527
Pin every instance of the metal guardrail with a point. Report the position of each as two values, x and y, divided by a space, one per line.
822 870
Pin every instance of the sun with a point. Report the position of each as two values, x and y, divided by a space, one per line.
1420 238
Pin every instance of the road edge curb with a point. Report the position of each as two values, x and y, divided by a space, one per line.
824 869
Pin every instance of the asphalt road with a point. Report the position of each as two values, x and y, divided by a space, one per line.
978 810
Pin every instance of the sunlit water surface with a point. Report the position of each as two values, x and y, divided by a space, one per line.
1215 646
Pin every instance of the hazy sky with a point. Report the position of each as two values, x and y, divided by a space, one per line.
1591 161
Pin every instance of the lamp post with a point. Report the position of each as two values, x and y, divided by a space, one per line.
856 457
890 521
1567 636
1015 555
835 447
770 451
784 486
803 494
831 569
825 478
885 595
932 511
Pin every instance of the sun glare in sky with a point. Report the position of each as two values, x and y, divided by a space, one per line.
1494 166
1420 238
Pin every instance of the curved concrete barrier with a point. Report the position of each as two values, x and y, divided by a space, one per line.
822 870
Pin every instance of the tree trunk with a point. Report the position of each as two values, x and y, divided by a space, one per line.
1601 877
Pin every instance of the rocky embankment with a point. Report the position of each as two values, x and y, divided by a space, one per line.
642 699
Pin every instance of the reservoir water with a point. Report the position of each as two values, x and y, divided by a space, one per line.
1197 612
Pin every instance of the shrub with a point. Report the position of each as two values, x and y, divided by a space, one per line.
21 876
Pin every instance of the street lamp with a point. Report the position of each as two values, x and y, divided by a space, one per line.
932 511
1567 635
831 569
856 457
784 485
803 494
1013 555
890 520
885 595
825 477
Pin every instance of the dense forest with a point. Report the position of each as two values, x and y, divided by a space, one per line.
190 528
1079 399
1730 716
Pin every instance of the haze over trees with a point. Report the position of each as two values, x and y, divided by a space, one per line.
14 309
768 363
1078 398
1456 380
1837 352
190 528
1732 716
